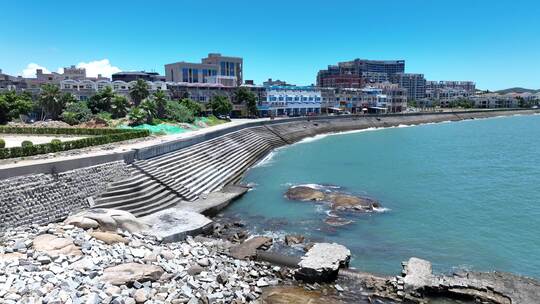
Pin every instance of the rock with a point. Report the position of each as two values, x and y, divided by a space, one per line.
108 237
172 225
167 255
303 193
194 270
107 219
349 202
53 245
418 273
322 262
262 283
337 221
43 259
140 296
204 262
248 249
125 274
4 257
292 239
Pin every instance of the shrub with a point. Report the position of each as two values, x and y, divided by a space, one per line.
76 113
104 136
2 143
221 105
178 112
105 116
26 143
195 107
119 106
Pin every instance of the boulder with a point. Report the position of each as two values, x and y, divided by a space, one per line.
107 220
108 237
322 262
293 239
175 224
248 249
53 245
418 273
303 193
126 274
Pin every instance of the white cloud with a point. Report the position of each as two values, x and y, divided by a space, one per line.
30 70
103 67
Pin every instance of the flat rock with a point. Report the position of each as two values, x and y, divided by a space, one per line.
125 274
174 224
322 262
341 201
248 249
295 295
337 221
108 237
293 239
53 245
304 193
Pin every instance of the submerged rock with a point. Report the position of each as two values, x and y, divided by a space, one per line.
337 221
293 239
303 193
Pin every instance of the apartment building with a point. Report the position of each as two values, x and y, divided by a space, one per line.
215 69
415 84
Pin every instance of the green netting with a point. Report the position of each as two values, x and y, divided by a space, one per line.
161 128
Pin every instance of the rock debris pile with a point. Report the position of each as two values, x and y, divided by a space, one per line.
61 263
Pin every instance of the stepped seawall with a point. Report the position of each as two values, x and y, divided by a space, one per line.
180 172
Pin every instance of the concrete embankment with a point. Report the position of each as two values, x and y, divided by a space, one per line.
176 173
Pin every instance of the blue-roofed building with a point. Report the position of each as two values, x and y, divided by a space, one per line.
290 101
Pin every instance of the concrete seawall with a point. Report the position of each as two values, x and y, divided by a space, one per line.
176 172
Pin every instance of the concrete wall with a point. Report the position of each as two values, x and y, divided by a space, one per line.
44 198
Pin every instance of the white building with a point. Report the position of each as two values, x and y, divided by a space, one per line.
291 101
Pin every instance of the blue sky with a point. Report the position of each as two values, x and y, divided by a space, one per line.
495 43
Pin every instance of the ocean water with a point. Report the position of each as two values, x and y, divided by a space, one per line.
464 195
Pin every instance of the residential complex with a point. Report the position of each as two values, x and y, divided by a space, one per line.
215 68
357 86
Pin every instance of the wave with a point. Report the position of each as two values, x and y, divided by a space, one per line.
315 186
381 210
267 161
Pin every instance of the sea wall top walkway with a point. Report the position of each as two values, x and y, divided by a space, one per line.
165 144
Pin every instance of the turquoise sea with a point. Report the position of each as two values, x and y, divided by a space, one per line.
464 195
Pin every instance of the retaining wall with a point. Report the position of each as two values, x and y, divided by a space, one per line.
45 198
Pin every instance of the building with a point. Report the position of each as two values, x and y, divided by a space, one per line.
134 76
355 73
414 83
74 73
396 96
447 91
353 100
84 89
290 101
215 68
277 82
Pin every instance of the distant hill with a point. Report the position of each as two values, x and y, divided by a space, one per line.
517 90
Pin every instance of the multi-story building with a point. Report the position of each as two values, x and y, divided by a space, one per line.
414 83
134 76
369 99
215 69
355 73
396 96
270 82
290 101
74 73
84 89
447 91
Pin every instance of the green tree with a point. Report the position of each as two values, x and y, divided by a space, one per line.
101 101
195 107
220 105
76 113
14 105
50 101
119 106
4 110
178 112
139 91
244 96
149 108
160 99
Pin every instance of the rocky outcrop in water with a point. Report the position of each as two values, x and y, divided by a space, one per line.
338 201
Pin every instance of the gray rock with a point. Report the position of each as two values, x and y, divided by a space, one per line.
322 262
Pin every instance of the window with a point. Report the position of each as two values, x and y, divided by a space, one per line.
195 75
185 75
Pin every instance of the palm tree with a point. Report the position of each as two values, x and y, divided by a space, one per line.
148 106
139 91
119 106
160 100
50 101
101 102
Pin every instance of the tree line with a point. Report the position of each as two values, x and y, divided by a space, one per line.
142 106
